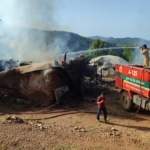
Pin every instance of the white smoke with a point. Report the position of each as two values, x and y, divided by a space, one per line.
138 57
37 14
19 38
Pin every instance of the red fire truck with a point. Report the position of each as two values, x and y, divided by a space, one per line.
134 82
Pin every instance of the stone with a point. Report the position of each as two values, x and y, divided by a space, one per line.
113 129
14 118
117 134
82 130
128 134
76 128
39 125
41 128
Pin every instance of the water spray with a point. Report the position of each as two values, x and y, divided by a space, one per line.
100 49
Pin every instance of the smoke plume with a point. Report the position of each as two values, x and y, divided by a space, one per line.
19 37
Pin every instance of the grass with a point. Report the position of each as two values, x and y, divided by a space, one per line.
81 115
69 117
114 102
52 133
101 129
68 125
66 136
91 128
66 146
98 147
6 115
114 106
53 123
77 121
145 142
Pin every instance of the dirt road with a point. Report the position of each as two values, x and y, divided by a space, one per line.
78 131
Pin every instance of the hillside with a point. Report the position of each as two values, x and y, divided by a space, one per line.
71 41
106 39
127 41
39 39
123 41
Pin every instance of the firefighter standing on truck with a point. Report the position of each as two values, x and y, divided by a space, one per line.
144 51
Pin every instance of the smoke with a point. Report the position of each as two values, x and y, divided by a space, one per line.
37 14
138 58
19 37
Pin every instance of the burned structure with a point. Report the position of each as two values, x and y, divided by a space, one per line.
77 70
45 83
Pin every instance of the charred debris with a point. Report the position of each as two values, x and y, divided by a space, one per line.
46 83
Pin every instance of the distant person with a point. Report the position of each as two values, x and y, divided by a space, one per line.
144 51
101 102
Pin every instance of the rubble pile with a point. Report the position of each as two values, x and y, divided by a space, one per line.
111 132
35 82
13 119
45 83
38 124
79 129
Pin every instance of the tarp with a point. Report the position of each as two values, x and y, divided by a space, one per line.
109 60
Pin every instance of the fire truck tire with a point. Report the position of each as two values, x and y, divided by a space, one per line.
126 103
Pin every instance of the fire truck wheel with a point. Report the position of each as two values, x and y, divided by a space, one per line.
126 103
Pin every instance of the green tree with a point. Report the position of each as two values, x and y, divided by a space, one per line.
128 53
97 43
110 52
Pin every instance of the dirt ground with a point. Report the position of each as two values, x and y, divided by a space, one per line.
76 130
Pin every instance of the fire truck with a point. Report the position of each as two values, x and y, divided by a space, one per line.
134 84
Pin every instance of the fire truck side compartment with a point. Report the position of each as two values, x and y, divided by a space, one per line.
137 100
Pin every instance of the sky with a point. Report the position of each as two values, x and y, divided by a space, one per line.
108 18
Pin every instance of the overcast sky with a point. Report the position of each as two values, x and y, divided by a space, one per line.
116 18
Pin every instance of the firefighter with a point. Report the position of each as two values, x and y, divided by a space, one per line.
144 51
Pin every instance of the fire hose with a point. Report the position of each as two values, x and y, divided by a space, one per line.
77 109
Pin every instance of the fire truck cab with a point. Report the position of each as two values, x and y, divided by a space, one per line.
134 82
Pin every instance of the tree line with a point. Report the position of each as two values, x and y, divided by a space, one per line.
126 53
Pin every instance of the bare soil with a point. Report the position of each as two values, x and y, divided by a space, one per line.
78 131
